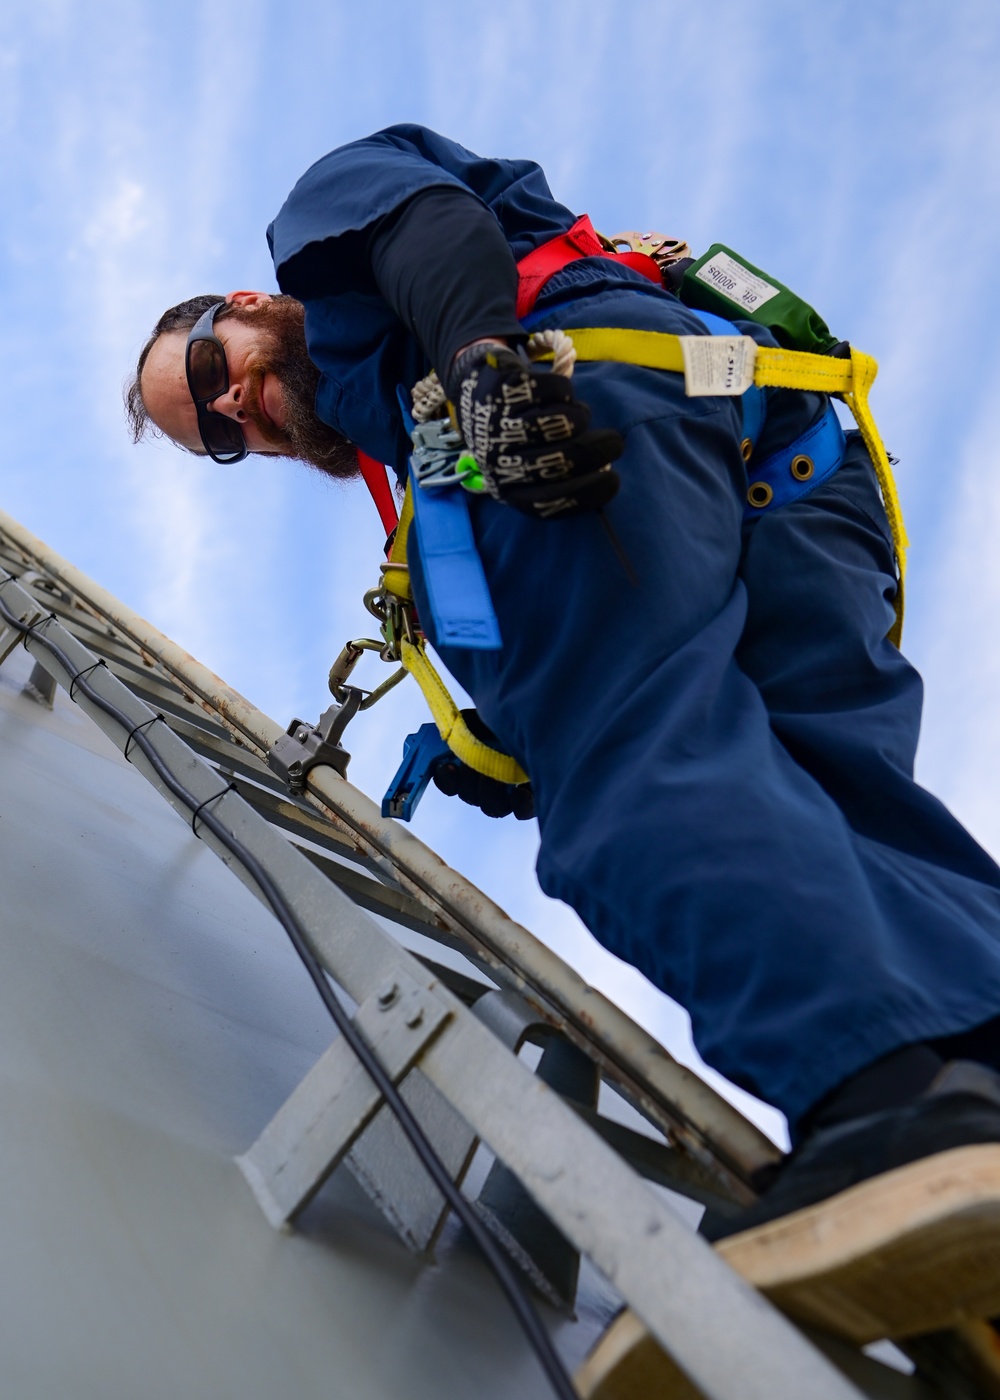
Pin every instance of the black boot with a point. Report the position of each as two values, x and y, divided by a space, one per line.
960 1106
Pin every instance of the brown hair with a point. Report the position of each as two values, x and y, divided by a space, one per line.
179 318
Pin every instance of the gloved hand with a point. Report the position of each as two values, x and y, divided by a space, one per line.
457 779
529 435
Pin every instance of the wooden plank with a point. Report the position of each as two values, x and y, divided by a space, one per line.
913 1250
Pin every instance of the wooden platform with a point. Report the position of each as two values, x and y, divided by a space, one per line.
913 1252
629 1364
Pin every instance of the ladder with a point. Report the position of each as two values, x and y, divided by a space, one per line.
567 1181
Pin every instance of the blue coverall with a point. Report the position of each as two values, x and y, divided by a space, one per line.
722 758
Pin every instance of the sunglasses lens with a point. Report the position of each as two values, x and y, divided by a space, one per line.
206 366
221 436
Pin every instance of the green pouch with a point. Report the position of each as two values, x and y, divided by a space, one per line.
723 282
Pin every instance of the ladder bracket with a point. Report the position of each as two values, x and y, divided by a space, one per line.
305 746
10 636
336 1100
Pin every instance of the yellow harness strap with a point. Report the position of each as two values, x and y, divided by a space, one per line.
445 713
849 380
397 581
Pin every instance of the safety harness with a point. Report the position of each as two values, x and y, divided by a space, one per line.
724 362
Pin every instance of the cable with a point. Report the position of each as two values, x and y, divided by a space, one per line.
531 1323
136 729
82 675
230 787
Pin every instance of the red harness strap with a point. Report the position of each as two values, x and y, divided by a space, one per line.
533 271
381 492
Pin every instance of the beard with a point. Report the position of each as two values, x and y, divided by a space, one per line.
281 326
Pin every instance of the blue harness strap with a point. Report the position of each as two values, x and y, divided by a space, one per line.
459 596
461 608
754 412
797 469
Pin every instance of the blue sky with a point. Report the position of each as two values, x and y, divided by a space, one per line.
851 149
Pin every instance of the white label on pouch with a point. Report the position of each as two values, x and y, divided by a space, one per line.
717 364
735 282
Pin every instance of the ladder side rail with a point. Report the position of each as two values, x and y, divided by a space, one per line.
672 1096
198 727
671 1277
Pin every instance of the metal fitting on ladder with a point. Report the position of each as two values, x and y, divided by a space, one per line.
304 746
331 1107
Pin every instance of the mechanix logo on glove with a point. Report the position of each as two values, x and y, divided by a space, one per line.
529 435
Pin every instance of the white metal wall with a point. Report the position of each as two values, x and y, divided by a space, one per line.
152 1018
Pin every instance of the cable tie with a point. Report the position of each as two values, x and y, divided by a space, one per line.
27 631
85 672
135 730
230 787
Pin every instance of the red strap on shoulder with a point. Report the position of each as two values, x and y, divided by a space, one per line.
640 262
377 481
536 267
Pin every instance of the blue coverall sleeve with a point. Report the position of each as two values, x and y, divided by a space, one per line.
346 192
320 246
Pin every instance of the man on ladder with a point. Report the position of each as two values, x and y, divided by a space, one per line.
721 747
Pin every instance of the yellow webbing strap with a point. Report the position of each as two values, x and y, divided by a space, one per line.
652 349
445 713
397 581
774 368
850 380
452 727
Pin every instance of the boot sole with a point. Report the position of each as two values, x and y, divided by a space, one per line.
914 1250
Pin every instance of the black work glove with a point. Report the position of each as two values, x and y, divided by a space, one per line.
529 435
457 779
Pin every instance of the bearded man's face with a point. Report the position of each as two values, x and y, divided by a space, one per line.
272 385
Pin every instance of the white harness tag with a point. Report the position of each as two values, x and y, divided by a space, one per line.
717 364
736 282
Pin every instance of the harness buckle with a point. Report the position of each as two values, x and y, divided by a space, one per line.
439 457
663 249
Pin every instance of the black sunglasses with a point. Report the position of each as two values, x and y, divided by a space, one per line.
208 376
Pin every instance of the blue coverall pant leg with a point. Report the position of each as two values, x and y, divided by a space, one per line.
842 700
722 757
